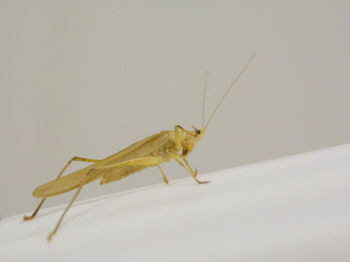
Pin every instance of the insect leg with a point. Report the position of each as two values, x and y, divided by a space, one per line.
49 237
75 158
189 169
181 164
165 179
194 173
144 161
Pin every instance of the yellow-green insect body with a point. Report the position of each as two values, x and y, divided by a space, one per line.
150 151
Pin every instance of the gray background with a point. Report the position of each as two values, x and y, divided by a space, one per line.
88 78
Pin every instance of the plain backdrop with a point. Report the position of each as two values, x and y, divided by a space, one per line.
88 78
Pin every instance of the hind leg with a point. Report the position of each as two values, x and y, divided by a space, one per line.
76 158
49 237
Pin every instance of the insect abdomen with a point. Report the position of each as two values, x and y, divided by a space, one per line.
64 184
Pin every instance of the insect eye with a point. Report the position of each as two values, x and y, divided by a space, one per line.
198 131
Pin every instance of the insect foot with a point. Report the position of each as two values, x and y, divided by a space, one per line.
26 218
49 237
198 181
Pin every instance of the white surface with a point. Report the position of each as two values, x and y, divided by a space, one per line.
290 209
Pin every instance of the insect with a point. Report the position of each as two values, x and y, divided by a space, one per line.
152 151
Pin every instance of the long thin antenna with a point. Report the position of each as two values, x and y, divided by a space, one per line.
229 89
204 95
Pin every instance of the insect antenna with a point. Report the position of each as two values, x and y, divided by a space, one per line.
204 95
228 90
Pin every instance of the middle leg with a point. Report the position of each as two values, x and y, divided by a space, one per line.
165 179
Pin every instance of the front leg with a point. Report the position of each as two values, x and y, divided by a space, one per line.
194 174
188 168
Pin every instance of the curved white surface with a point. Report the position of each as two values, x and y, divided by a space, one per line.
289 209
